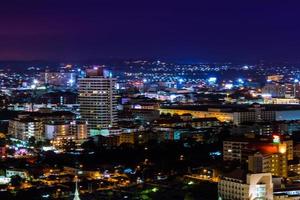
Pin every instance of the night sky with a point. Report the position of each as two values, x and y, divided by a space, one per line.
198 30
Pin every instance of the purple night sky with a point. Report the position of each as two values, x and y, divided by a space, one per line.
214 30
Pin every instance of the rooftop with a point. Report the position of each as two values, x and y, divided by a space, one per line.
234 107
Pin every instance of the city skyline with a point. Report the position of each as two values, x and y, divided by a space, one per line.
149 100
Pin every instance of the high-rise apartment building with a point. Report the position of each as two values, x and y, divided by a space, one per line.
97 99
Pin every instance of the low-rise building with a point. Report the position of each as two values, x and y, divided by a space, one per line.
239 186
16 172
25 127
60 132
238 113
276 164
240 148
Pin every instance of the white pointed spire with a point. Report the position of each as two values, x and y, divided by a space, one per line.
76 194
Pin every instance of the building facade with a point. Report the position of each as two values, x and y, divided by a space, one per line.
69 131
238 149
276 164
253 187
97 99
239 114
25 128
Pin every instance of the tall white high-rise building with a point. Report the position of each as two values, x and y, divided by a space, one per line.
97 99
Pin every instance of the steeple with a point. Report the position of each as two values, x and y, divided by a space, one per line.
76 194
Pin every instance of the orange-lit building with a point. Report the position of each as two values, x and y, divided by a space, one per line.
238 114
241 148
275 163
59 133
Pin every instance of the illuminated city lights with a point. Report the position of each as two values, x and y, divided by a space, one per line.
138 100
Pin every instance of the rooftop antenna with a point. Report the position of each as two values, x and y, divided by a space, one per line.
76 194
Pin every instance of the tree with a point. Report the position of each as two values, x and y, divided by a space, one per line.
16 181
188 196
31 141
89 145
2 142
